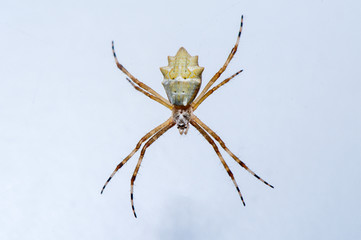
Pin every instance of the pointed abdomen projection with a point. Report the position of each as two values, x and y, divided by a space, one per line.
182 78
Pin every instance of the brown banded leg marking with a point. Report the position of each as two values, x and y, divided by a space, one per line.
223 68
214 89
143 139
139 83
209 139
223 145
165 128
150 95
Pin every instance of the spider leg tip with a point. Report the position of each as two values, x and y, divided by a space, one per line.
268 184
244 204
135 215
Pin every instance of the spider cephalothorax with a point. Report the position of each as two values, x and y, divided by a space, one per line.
182 117
182 80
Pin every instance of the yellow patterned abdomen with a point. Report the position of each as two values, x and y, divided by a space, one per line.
182 78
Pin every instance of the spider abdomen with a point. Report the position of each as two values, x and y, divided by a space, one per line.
181 92
182 78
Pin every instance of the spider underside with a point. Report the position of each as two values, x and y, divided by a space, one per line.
182 79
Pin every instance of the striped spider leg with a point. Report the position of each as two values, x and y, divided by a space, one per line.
145 89
210 140
207 133
151 136
182 80
197 101
168 125
197 121
137 147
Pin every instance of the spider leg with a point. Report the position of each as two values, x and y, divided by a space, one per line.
223 68
149 95
223 145
141 141
169 124
214 89
139 83
209 139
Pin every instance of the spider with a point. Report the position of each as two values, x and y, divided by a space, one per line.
182 80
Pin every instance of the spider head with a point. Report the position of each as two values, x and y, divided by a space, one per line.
181 117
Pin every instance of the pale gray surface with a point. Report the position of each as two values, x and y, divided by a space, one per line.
68 116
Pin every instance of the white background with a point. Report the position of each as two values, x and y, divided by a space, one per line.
68 116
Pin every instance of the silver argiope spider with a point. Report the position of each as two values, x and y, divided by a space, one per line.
182 80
